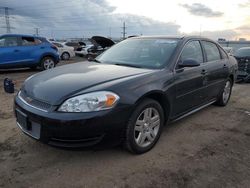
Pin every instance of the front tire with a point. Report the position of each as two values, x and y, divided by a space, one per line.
226 93
144 127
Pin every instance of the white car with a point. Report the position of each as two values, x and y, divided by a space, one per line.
65 52
83 51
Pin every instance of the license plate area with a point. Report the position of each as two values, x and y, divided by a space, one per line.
31 128
23 121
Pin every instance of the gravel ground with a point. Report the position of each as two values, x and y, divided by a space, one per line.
211 148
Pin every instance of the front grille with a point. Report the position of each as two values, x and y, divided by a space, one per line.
244 65
40 105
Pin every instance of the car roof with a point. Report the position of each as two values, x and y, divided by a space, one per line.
170 37
21 35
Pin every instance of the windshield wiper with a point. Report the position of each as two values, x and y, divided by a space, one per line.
128 65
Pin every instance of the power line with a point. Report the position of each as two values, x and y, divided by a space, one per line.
7 19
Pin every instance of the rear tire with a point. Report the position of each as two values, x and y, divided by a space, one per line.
47 63
144 127
225 94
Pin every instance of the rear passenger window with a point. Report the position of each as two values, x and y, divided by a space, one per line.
28 41
192 50
211 50
37 41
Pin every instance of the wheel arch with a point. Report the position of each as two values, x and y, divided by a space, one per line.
161 98
231 76
47 55
66 52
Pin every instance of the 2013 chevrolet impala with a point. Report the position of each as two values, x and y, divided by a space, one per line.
127 94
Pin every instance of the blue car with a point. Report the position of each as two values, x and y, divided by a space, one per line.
19 51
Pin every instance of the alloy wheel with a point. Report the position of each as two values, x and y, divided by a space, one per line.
147 127
48 64
227 92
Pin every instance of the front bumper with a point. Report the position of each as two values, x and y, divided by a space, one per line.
243 76
73 129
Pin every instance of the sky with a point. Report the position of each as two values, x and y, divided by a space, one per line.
85 18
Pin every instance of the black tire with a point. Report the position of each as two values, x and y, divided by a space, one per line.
130 141
222 101
44 61
65 56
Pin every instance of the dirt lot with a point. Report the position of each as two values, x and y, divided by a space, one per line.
208 149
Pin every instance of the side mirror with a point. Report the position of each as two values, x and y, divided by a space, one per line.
189 63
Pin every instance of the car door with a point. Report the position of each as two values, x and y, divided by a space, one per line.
10 53
189 81
30 46
217 69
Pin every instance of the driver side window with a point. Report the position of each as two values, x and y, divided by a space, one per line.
192 50
8 41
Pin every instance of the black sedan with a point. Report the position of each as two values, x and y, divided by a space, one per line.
127 94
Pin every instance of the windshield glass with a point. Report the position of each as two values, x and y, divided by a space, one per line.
144 53
243 52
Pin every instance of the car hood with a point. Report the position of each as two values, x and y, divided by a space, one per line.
242 57
102 41
56 85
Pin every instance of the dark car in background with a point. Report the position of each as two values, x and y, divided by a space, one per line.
75 45
98 45
243 57
127 94
19 51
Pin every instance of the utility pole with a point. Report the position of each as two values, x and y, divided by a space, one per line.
200 29
7 18
110 32
37 31
124 30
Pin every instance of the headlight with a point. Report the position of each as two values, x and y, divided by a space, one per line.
90 102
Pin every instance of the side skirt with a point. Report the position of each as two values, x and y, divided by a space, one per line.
193 111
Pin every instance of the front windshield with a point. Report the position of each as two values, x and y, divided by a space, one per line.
144 53
243 52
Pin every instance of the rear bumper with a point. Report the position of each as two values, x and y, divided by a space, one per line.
74 129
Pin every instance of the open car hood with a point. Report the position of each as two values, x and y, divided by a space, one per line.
102 41
82 43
